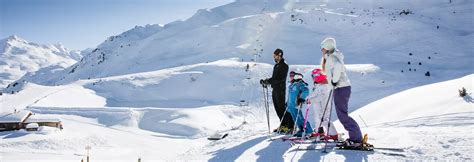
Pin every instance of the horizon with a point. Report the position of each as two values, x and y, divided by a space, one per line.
78 25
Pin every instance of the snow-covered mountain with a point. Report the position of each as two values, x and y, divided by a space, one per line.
155 47
18 57
166 88
404 47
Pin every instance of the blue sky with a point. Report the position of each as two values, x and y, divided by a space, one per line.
80 24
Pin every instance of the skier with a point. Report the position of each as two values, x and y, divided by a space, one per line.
278 83
319 98
297 93
336 75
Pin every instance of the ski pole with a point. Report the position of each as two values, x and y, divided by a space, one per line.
305 121
268 113
296 121
265 97
281 120
363 121
329 122
325 109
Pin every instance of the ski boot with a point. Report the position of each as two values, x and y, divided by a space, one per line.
351 145
282 130
335 138
298 134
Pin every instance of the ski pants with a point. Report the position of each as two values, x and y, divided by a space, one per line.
298 116
341 100
319 102
278 97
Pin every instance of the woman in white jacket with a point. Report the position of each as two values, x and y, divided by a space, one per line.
319 99
337 77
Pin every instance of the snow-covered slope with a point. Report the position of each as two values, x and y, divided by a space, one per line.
18 57
436 100
432 120
427 130
438 126
176 84
404 47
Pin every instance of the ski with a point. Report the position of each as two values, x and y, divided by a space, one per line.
364 146
390 153
223 134
384 151
332 147
290 138
390 149
340 146
311 141
281 136
278 136
293 138
311 146
218 136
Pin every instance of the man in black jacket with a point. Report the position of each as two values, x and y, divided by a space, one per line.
278 83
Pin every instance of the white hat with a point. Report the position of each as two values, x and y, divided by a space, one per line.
328 43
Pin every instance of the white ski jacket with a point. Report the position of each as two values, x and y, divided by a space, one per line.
319 98
335 70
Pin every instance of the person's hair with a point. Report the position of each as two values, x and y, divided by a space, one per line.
278 52
323 64
331 51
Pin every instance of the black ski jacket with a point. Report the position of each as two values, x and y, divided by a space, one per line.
278 79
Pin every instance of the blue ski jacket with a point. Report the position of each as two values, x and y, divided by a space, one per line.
297 89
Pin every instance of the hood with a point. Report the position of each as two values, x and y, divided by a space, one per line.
338 55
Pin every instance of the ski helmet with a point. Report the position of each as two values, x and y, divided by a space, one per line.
298 76
318 75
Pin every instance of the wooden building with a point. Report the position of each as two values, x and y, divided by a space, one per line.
19 119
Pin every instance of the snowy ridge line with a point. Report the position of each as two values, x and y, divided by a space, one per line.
349 67
19 57
37 109
230 62
108 109
340 14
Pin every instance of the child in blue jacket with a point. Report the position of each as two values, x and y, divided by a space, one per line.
297 93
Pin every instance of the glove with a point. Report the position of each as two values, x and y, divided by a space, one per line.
333 84
300 101
262 82
308 101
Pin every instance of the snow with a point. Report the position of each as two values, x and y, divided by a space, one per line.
18 57
156 92
65 96
14 117
32 125
340 14
441 101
